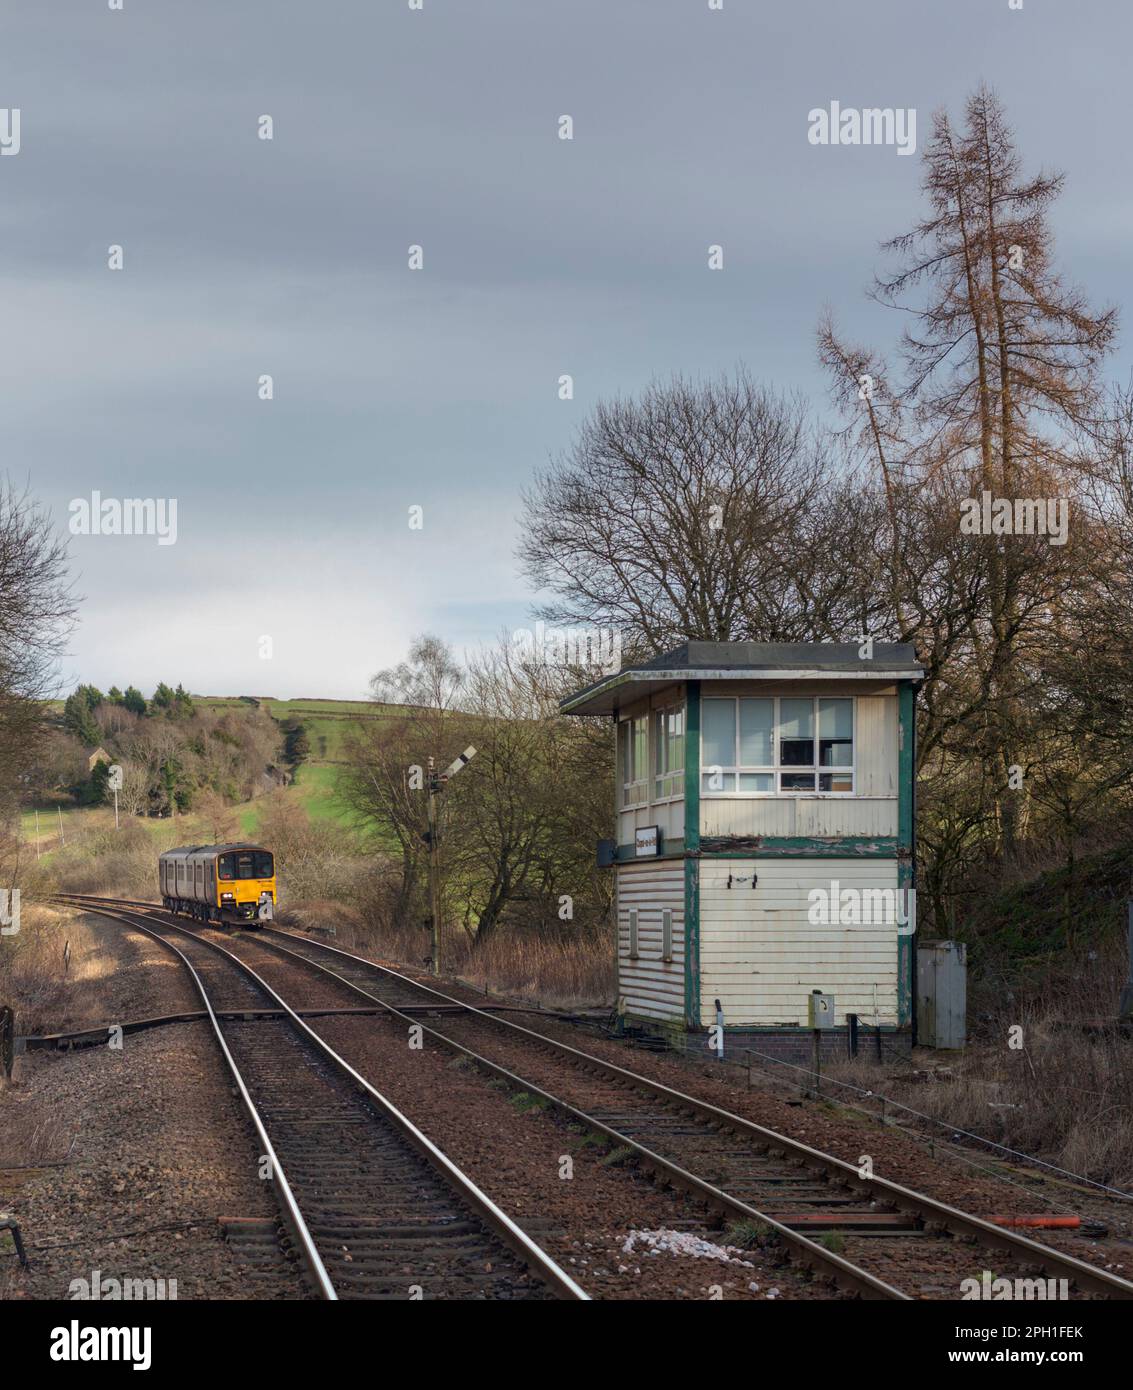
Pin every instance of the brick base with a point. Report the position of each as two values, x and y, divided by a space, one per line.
798 1048
781 1044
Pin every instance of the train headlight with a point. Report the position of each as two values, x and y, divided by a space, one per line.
227 897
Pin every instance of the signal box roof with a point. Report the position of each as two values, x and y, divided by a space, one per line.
737 661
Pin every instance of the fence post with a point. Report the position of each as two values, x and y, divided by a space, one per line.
9 1223
7 1038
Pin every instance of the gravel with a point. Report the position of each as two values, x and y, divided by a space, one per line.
150 1150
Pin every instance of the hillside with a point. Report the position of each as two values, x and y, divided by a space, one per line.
1053 926
314 788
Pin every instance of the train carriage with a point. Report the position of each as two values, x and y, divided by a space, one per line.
232 884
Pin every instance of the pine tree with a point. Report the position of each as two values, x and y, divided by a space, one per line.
78 714
1001 366
134 700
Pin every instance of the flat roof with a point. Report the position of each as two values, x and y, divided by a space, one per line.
732 661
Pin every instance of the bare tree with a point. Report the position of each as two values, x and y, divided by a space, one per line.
1001 365
695 511
36 611
517 826
133 796
217 817
387 757
525 813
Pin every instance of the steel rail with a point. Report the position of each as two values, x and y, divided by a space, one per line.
809 1252
497 1220
958 1222
815 1256
290 1207
1086 1276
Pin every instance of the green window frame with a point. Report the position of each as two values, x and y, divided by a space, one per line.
767 746
633 760
669 753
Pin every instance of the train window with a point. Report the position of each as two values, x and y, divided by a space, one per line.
245 866
264 867
226 867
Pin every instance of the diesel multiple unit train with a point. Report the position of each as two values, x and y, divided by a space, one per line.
219 883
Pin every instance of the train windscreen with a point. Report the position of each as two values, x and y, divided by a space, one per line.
245 863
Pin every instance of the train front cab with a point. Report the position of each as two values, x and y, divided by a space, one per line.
245 883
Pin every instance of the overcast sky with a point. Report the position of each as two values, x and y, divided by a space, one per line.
439 387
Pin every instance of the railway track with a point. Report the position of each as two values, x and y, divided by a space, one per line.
871 1236
373 1209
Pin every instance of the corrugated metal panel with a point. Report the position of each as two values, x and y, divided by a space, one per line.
798 816
761 956
876 746
740 816
650 986
849 816
669 815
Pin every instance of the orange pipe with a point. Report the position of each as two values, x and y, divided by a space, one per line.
1044 1223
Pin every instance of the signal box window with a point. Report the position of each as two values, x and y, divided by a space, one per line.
747 744
633 760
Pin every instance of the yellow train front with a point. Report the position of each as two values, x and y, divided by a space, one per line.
232 884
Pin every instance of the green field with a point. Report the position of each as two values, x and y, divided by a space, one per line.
74 819
327 723
282 709
49 818
314 790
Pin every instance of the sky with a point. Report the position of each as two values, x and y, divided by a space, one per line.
438 388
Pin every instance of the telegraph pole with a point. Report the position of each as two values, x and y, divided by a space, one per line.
437 783
434 873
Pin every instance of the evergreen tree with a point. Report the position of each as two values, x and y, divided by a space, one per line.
134 700
95 790
78 713
296 744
